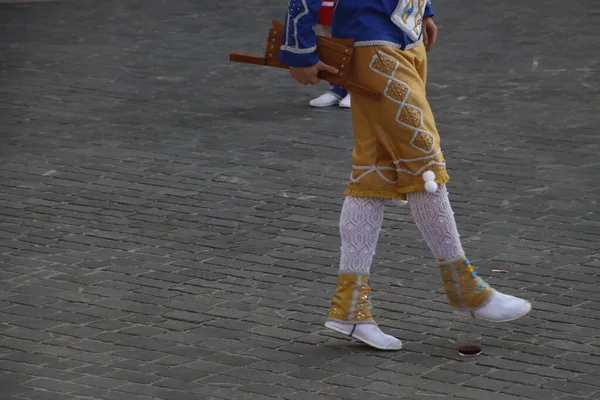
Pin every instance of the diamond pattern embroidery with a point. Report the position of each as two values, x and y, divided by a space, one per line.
384 64
411 116
408 115
397 91
423 140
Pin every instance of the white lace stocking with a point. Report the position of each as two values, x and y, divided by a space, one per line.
434 218
360 224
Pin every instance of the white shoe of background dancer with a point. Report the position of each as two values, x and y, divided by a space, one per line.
345 102
501 308
325 100
366 333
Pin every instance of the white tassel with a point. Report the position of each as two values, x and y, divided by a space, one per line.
430 185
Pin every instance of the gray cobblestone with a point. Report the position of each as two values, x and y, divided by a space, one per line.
43 395
571 387
572 398
533 392
472 393
54 385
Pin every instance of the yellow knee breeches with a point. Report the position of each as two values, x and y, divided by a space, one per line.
395 137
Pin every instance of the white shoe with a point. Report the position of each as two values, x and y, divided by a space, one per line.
502 308
345 102
325 100
366 333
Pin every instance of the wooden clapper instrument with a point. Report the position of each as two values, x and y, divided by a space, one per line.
335 52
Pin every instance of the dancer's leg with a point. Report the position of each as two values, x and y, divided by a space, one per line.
350 313
465 289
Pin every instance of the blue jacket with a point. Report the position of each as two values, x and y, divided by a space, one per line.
394 23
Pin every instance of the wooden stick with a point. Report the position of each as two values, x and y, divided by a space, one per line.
247 59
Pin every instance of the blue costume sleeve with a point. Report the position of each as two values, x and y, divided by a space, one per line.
299 47
428 10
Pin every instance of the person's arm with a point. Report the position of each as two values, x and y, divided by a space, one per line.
428 10
299 47
429 27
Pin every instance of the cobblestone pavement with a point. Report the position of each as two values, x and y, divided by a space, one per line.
168 220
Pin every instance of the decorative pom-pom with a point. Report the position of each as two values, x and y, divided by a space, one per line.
429 176
431 186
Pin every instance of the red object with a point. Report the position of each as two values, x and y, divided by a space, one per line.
326 13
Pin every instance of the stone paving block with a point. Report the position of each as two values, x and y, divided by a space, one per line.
572 387
471 393
589 377
305 395
529 392
54 385
44 395
304 384
488 384
14 377
572 398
